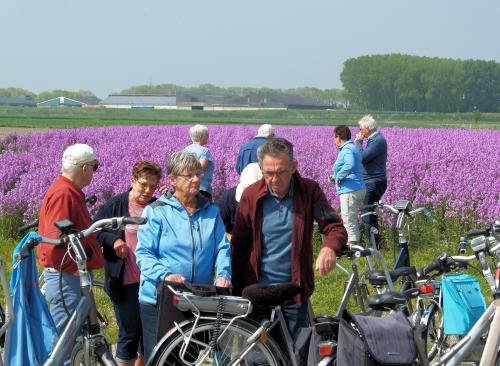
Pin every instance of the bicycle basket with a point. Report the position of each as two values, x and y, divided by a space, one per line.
463 303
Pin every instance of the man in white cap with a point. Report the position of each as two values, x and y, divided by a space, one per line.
248 152
65 200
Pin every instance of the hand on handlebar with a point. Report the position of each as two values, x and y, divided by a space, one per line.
222 282
174 277
327 260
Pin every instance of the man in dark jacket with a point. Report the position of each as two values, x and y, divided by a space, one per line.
374 161
248 151
272 237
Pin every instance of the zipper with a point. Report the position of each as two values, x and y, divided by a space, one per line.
199 234
192 246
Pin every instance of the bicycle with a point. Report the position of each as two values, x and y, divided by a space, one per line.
219 330
453 349
82 334
8 315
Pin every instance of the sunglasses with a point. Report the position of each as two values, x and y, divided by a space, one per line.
94 166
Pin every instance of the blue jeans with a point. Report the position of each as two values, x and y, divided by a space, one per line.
129 324
374 192
70 291
149 314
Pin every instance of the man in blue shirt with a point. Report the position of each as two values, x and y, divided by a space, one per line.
248 151
374 159
199 137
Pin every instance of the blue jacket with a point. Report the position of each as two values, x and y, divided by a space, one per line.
248 153
173 242
33 334
348 170
374 158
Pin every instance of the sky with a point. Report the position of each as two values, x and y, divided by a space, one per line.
105 46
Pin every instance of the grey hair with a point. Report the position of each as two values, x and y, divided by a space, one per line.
368 122
274 146
181 161
198 132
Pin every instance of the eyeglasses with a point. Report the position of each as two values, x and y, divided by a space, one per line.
278 174
94 166
144 185
191 177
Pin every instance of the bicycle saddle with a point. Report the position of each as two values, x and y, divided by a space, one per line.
389 300
377 277
270 295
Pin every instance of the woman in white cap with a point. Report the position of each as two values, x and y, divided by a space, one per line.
228 202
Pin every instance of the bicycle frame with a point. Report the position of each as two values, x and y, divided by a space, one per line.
491 317
86 309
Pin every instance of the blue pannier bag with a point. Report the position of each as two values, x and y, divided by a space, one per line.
463 303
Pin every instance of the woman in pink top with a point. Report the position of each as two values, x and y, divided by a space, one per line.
121 271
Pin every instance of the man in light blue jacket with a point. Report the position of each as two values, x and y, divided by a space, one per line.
348 175
184 239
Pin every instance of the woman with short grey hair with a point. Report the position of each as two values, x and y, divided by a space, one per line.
184 239
199 137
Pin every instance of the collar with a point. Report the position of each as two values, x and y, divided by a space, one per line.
345 143
287 195
373 135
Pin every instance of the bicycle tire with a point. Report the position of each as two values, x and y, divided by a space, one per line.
78 357
231 344
433 335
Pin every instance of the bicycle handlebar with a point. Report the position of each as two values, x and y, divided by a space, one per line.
394 210
112 223
28 226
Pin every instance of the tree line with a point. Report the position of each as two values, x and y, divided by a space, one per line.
412 83
45 95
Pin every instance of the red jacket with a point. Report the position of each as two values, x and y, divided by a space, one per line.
65 200
309 204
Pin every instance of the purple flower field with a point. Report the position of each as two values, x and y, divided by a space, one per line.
455 167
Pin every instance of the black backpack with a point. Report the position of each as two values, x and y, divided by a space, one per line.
373 341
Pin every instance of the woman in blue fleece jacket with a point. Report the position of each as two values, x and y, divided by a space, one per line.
184 239
348 173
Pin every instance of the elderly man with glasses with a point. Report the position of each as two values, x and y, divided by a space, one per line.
65 200
272 237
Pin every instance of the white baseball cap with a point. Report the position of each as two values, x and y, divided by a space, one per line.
265 131
78 154
249 175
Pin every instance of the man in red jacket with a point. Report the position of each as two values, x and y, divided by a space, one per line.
65 200
272 236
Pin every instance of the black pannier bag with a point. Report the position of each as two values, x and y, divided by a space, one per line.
373 341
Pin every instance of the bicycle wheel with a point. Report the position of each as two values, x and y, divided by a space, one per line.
433 334
231 345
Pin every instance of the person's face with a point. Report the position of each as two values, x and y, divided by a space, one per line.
277 171
364 131
143 188
88 170
187 183
337 140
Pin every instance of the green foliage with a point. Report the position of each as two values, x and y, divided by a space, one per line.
28 117
331 97
16 92
412 83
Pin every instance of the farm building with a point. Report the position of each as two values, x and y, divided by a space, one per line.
61 101
17 101
139 101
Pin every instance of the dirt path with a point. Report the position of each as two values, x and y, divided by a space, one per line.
19 130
